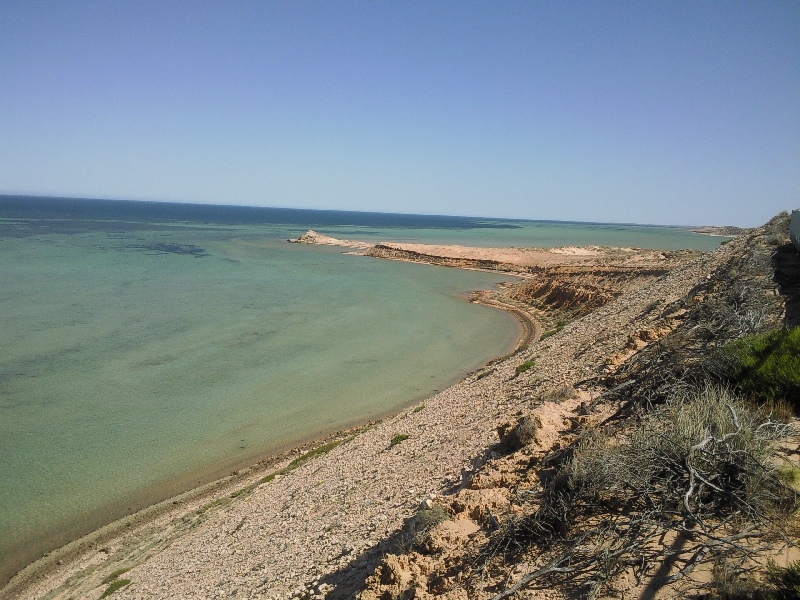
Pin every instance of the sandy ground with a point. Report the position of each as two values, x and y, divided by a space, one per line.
525 257
513 256
510 259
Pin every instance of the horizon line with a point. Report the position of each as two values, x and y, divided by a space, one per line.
334 210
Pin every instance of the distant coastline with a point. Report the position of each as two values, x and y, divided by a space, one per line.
724 231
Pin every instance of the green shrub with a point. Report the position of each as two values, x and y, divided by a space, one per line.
727 583
428 518
398 438
514 437
312 454
768 366
485 374
785 581
297 462
780 583
528 364
115 574
117 584
559 326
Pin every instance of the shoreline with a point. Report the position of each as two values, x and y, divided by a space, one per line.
328 524
531 327
470 407
245 473
173 507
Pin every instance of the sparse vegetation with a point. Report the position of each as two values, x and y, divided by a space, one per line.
767 366
789 475
700 466
687 473
734 302
115 574
785 581
268 478
115 585
527 365
776 231
416 535
486 373
559 394
296 463
514 437
428 518
312 454
304 458
780 583
550 332
224 501
419 408
398 438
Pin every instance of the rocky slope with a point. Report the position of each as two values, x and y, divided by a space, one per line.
576 280
461 544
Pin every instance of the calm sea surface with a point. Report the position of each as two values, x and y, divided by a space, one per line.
146 348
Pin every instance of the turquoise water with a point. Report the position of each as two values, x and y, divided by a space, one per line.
142 354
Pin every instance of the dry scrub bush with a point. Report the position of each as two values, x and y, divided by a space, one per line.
699 466
701 455
560 394
734 302
776 231
416 534
514 437
778 583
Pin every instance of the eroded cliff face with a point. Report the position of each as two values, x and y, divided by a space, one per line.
581 289
398 253
575 283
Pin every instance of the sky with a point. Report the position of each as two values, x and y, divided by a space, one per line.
669 113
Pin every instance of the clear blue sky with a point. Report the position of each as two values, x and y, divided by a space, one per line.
650 112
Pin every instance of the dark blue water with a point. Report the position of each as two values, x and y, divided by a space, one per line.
79 210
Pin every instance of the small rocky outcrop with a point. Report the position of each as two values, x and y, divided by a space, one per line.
313 237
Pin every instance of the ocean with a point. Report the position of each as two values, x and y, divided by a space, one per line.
146 348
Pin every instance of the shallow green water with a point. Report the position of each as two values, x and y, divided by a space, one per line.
126 375
142 355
